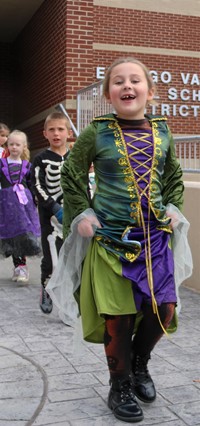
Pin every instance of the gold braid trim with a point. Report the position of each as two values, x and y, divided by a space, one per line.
124 161
148 260
157 119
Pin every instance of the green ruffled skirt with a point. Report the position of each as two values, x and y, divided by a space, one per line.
105 291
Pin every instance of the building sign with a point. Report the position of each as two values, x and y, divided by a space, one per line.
190 98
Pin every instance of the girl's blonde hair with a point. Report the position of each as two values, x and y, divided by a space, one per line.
26 153
123 60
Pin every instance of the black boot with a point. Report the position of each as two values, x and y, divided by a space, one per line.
143 385
122 401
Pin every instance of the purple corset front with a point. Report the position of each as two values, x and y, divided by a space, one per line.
140 150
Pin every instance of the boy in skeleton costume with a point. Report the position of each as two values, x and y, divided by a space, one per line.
47 189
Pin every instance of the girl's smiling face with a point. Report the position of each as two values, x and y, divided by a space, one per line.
129 91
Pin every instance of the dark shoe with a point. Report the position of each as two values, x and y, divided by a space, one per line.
143 385
122 401
46 304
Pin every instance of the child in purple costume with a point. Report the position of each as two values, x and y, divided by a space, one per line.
19 222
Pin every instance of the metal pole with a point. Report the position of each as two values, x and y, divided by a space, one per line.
61 108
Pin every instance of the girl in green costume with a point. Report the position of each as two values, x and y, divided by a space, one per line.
126 293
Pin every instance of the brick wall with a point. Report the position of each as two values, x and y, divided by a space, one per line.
165 31
54 57
142 28
79 38
87 24
40 53
6 84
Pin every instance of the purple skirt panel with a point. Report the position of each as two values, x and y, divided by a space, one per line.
162 269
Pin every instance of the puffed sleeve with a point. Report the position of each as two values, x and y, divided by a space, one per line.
172 180
74 176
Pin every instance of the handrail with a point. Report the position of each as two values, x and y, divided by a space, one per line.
188 152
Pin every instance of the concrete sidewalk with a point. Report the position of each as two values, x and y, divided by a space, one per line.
42 382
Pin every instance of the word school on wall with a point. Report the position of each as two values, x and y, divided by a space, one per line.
190 98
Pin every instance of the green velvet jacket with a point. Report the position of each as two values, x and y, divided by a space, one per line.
117 201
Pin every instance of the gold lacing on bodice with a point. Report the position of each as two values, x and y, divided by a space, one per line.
144 178
146 161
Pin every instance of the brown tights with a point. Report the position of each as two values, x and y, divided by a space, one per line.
119 333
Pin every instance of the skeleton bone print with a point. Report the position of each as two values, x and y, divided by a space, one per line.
46 181
52 178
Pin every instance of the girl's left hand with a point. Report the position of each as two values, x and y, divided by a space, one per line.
174 219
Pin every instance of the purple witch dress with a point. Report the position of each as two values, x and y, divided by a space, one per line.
19 221
154 241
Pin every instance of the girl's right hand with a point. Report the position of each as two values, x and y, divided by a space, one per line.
86 226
